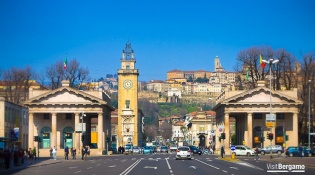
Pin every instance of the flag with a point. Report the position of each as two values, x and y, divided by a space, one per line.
247 74
65 64
262 64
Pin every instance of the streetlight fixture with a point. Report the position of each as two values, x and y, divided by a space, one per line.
270 62
309 116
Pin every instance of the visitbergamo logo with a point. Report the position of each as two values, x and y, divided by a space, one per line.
281 168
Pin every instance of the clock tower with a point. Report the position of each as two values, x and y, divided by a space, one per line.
128 129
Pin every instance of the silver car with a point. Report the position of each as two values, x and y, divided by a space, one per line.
184 152
136 150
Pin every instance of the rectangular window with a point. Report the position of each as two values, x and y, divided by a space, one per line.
68 116
127 104
280 116
257 116
46 116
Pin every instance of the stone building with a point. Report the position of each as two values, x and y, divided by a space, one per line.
250 109
62 117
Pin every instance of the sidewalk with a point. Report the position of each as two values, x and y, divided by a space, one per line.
307 161
42 161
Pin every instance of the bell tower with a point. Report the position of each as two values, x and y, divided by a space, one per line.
128 122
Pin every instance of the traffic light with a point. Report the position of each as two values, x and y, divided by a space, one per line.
107 139
83 137
36 138
262 139
286 137
270 135
223 135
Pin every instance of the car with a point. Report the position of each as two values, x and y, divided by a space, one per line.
153 149
242 150
164 149
128 149
294 151
274 148
184 152
147 150
136 150
195 150
158 149
173 147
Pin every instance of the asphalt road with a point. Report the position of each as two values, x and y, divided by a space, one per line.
155 164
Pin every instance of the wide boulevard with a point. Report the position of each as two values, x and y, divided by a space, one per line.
153 164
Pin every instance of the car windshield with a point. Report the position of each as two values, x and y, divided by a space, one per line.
246 147
183 148
163 147
147 147
193 147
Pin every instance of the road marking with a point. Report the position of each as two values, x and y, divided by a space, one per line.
209 160
98 164
112 166
192 167
234 167
131 167
77 172
89 167
249 165
224 171
150 167
208 164
151 159
73 167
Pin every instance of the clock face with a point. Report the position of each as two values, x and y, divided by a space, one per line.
127 84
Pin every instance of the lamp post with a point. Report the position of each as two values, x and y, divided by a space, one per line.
309 111
270 62
82 115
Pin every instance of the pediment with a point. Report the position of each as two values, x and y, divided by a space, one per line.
65 95
261 95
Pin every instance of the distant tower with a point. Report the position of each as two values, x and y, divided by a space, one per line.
128 122
217 64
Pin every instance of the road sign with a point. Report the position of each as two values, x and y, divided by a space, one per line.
212 131
270 117
270 124
232 147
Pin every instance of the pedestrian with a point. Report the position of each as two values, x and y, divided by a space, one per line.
74 154
66 153
54 152
256 154
301 151
119 149
30 155
222 151
86 152
7 157
83 152
34 153
50 153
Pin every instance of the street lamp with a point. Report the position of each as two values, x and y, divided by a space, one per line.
270 62
309 111
82 115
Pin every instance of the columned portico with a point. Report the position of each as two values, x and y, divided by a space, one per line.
31 130
100 131
249 139
227 132
77 135
54 130
295 128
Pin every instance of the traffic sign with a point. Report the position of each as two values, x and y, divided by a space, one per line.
212 131
232 147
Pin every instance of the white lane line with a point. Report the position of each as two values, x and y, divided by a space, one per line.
168 164
224 171
89 167
98 164
208 164
249 165
130 167
77 172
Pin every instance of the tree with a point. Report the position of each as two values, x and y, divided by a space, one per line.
151 132
184 130
166 130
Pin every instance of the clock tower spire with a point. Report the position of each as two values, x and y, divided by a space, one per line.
128 129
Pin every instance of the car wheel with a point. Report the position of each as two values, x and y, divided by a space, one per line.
248 154
279 152
291 154
262 153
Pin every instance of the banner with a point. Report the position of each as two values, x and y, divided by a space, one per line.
15 134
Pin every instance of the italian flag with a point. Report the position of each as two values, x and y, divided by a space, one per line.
65 64
262 64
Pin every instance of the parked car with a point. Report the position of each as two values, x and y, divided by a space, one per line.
164 149
294 151
184 152
173 147
241 150
147 150
158 149
136 150
195 150
153 149
274 148
128 148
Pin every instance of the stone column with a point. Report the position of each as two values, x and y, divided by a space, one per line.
100 140
31 130
250 130
54 130
77 135
295 140
227 133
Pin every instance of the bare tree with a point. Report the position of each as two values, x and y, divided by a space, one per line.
151 132
166 130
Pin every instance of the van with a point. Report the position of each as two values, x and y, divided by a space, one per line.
242 150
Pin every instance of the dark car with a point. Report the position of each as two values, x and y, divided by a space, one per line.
164 149
195 150
294 151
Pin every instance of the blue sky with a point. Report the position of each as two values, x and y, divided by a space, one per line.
165 34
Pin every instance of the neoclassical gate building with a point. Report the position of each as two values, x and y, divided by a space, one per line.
249 108
60 117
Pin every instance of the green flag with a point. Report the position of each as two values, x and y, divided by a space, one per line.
247 74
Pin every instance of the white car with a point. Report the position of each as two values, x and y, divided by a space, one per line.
184 152
242 150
